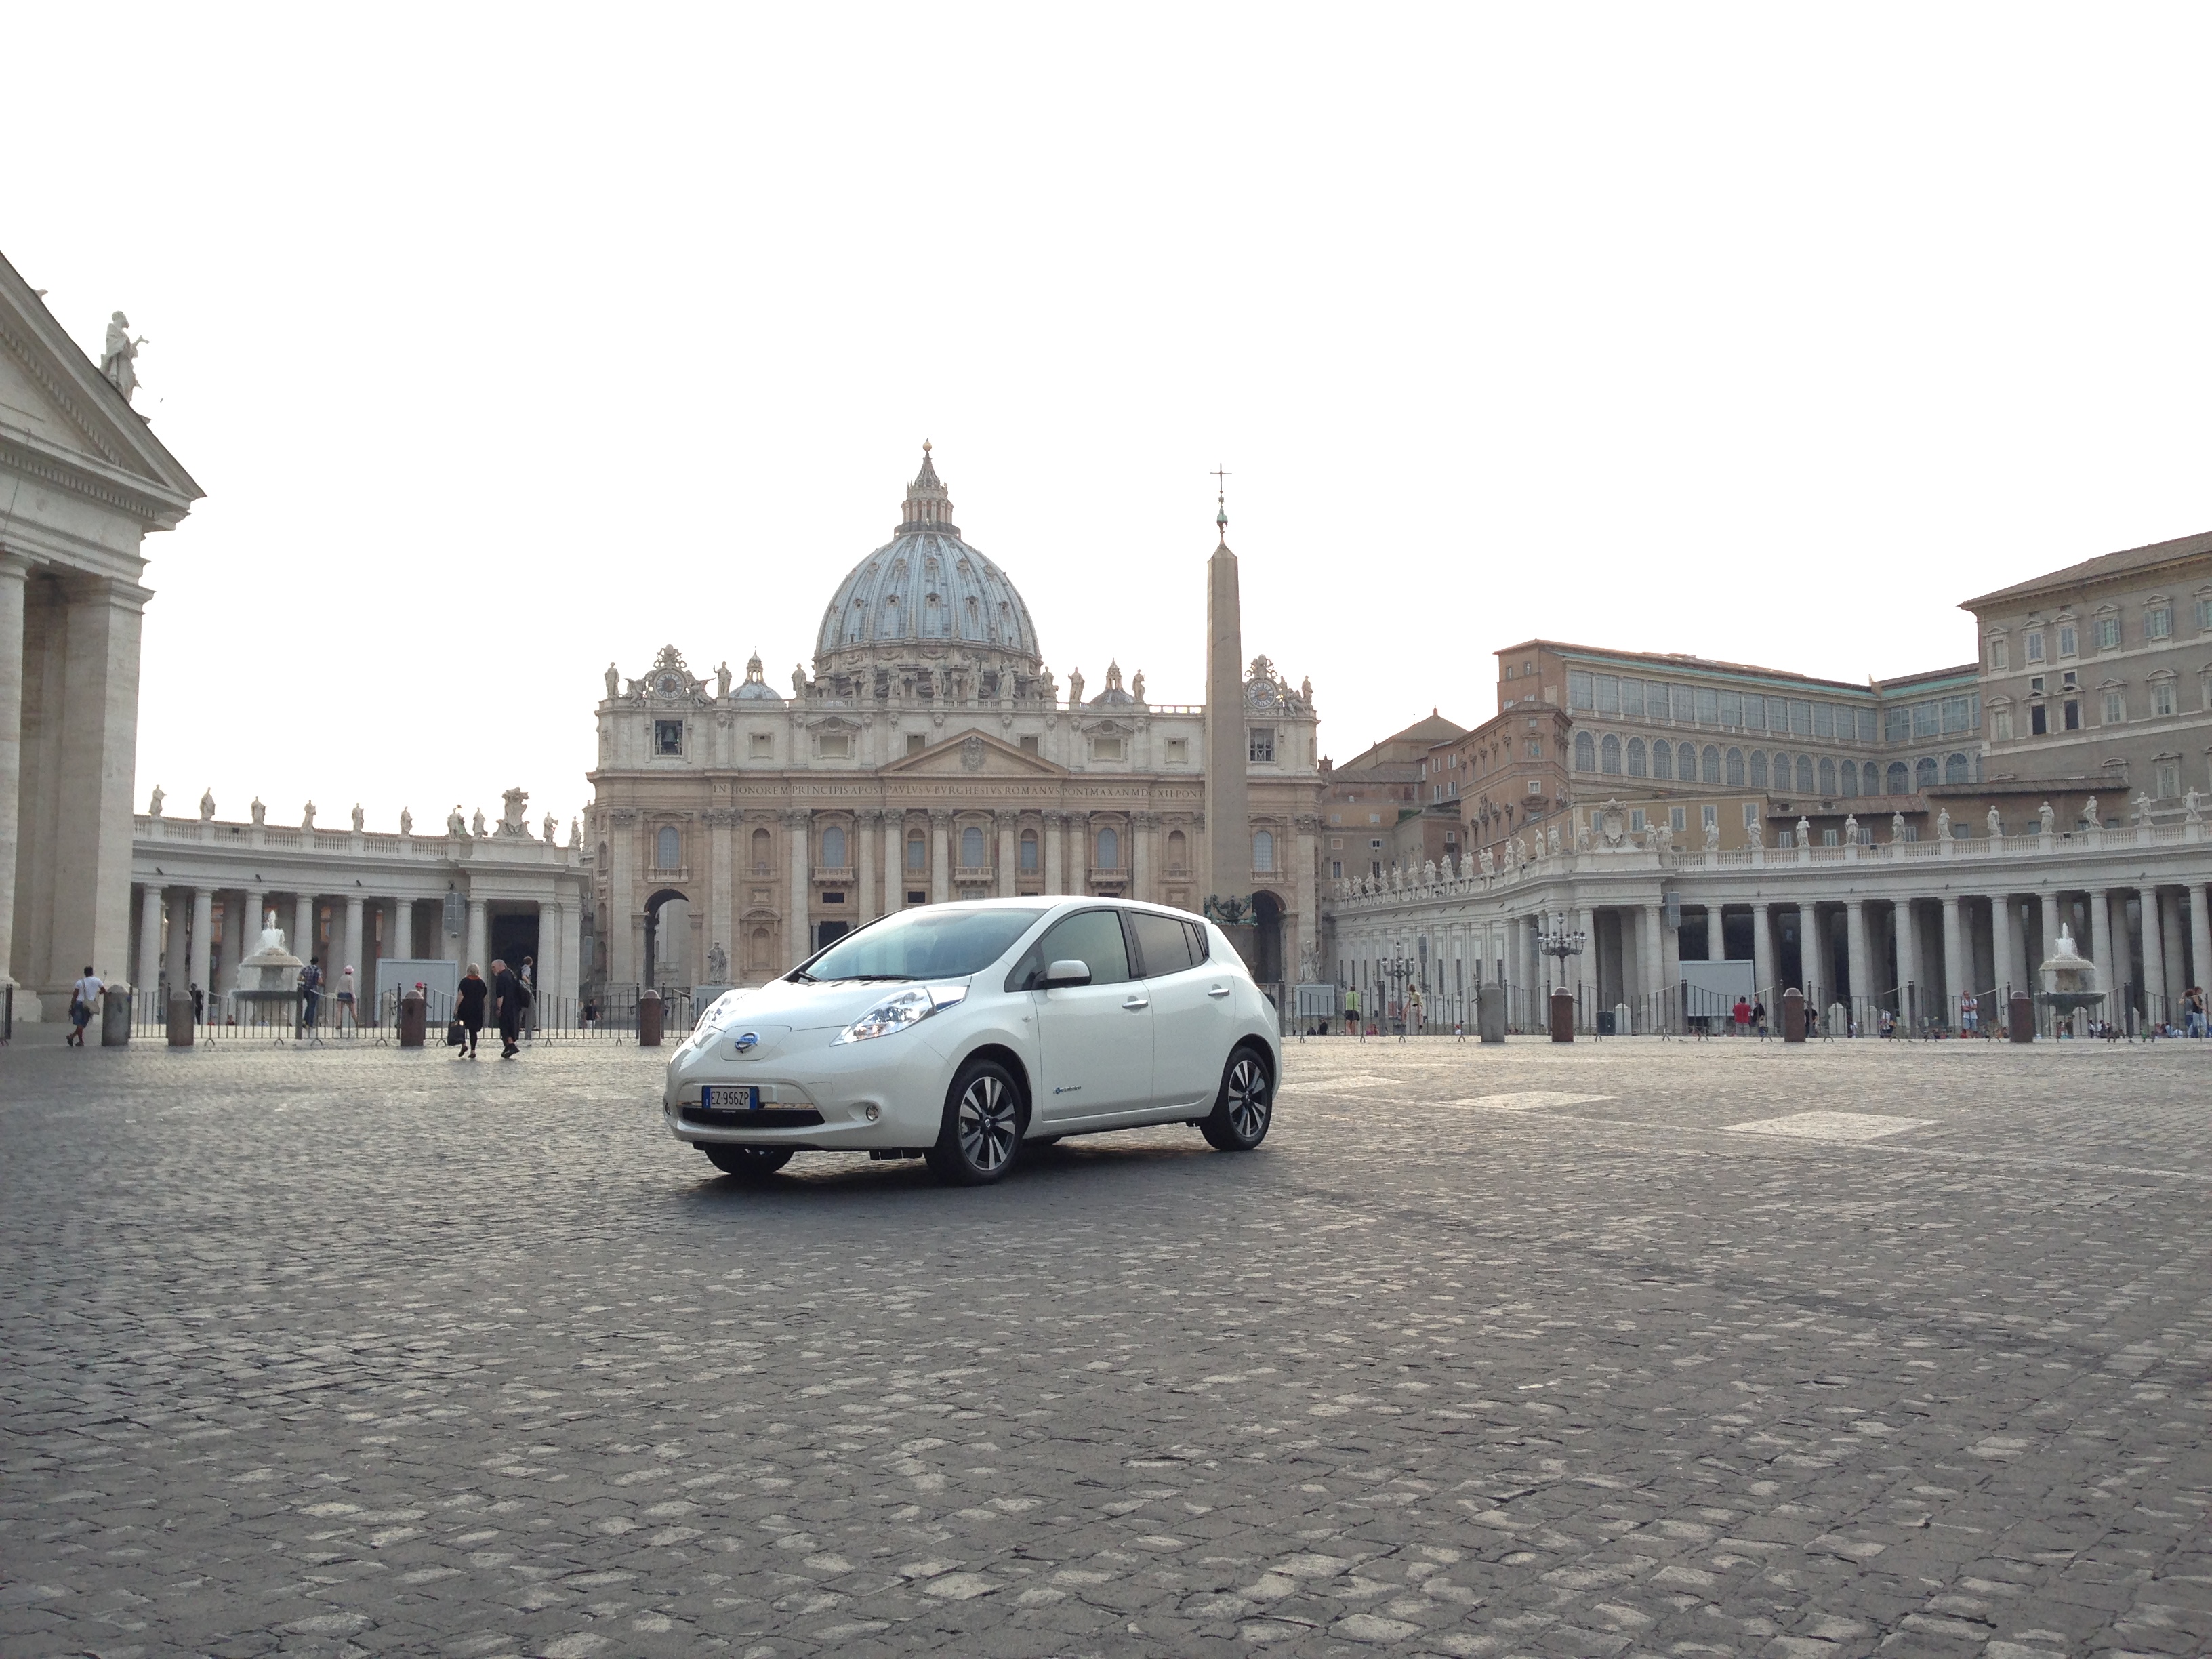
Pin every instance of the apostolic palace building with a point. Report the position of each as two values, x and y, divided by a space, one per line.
931 755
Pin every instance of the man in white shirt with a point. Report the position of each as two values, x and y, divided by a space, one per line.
84 997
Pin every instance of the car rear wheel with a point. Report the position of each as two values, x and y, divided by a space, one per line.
747 1163
1244 1108
982 1136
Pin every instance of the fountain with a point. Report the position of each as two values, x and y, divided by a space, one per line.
2068 980
268 977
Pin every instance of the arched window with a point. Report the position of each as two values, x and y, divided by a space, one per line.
1901 780
668 849
1954 769
1110 849
1585 752
1735 768
1713 764
1923 772
763 852
971 847
1851 777
1827 776
917 850
1804 774
1609 753
1028 849
833 847
1781 771
1263 849
1662 759
1759 768
1636 757
1178 852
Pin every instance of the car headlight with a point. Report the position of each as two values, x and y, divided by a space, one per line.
896 1011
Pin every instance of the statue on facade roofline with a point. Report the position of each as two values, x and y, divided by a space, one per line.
1805 831
1896 826
1552 838
260 812
207 805
1137 686
406 822
2142 813
1755 833
1429 873
2089 814
1997 825
722 681
154 806
360 819
1075 690
2192 805
479 823
454 826
614 681
118 358
552 829
576 836
2044 817
1713 835
308 817
1942 823
799 679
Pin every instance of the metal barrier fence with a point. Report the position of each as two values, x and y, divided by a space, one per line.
609 1015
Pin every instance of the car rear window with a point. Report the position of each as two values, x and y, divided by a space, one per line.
1162 941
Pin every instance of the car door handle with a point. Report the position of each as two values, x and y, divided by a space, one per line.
1134 1003
1217 991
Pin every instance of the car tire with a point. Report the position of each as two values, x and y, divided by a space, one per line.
1245 1107
981 1138
747 1163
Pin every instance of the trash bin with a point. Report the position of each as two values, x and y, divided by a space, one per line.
2020 1017
1605 1023
413 1019
182 1034
651 1015
1563 1016
115 1016
1793 1015
1490 1012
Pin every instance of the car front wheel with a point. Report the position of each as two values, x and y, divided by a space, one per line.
747 1163
1243 1108
982 1136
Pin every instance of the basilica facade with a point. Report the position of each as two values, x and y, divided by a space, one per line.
930 756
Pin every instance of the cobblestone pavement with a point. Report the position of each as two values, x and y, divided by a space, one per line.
1518 1351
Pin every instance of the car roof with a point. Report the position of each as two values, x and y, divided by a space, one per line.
1055 901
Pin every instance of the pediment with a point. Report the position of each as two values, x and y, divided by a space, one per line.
974 755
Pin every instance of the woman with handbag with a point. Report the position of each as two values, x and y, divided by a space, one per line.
469 1009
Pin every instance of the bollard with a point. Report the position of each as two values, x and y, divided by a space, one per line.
651 1014
413 1018
2020 1017
182 1034
1563 1016
1793 1015
1490 1012
115 1016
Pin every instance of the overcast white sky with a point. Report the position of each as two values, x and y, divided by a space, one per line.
506 342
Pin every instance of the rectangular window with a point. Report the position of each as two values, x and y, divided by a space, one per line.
1678 817
1178 750
1636 818
1336 869
1829 838
915 742
2116 709
2035 645
2000 656
668 737
1029 745
1106 749
1731 709
1579 693
1374 846
2001 725
1263 746
2169 779
2067 647
2203 616
1536 786
2073 714
1955 715
1750 813
1801 718
1927 719
836 745
1896 725
1824 720
1786 839
1777 714
1866 726
2158 623
2161 697
1710 816
1632 698
1754 713
1608 693
1708 706
763 745
2038 721
1912 832
2108 633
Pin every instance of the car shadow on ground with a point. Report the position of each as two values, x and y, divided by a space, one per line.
1101 1161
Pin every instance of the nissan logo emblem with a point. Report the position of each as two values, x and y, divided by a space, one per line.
748 1042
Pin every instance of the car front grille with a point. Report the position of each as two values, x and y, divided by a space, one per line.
768 1117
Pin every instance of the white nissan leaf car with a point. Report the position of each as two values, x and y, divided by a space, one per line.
960 1033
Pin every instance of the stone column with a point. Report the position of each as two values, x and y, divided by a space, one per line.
1670 971
941 856
1007 822
1055 835
2100 945
176 964
1856 961
2004 954
624 960
1912 991
1653 959
1954 956
798 827
148 973
202 939
1763 962
571 982
1585 965
14 568
2049 898
91 876
2153 953
2173 932
865 825
351 954
399 930
479 935
722 907
302 942
2200 933
895 870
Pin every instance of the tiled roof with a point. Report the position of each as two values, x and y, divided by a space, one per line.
2103 567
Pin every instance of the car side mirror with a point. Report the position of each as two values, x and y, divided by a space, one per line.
1070 972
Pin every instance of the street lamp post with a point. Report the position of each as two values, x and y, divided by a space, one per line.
1562 946
1401 971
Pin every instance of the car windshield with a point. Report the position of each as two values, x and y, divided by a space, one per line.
933 943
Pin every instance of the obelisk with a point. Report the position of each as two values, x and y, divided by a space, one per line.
1228 820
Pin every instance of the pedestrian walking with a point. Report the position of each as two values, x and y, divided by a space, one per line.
1741 1015
469 1009
1415 1010
346 1008
1459 1030
2193 1011
83 996
1352 1014
311 991
1970 1013
1759 1019
509 998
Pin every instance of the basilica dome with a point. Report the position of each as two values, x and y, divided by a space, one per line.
925 592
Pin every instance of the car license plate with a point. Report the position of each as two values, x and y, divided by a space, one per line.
745 1099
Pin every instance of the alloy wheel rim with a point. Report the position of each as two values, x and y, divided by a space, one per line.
1247 1099
986 1124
